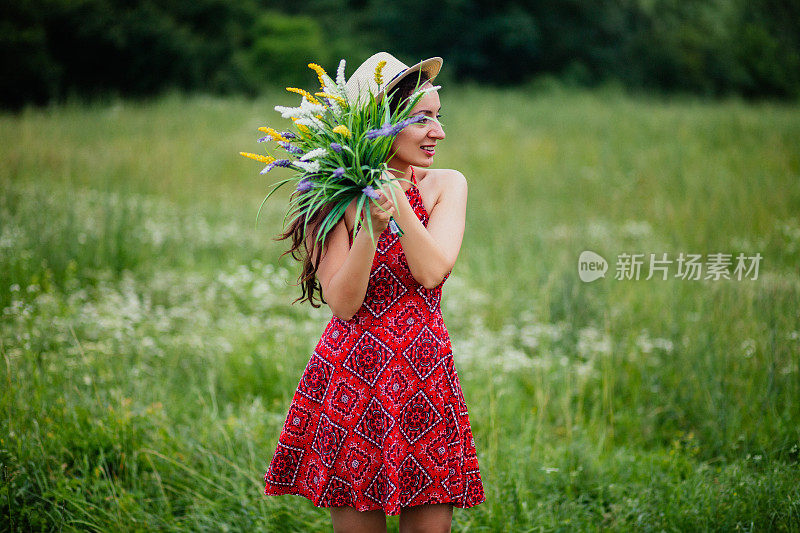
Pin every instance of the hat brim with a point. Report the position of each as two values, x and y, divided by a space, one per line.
430 66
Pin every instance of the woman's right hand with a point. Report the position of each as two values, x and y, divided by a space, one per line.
380 218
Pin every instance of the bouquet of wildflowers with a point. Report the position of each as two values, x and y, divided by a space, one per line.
339 149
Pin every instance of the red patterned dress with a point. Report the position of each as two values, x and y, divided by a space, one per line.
378 420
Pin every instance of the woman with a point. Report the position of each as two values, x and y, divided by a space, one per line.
378 424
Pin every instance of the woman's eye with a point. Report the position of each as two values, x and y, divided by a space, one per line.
425 121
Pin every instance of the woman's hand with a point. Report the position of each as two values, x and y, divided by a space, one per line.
382 212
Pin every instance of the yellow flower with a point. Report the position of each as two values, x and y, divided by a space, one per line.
262 158
342 129
338 99
379 73
274 134
320 74
305 93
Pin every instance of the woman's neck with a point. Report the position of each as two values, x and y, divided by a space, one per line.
405 173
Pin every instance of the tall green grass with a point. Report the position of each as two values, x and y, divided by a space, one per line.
150 347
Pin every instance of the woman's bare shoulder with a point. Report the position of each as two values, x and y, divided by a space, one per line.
438 184
440 180
441 176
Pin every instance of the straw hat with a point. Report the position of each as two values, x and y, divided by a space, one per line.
363 79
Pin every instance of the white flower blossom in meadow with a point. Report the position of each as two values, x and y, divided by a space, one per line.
509 333
543 363
10 235
460 299
586 370
636 228
561 232
528 337
790 230
598 230
591 341
748 348
512 361
644 343
663 344
531 335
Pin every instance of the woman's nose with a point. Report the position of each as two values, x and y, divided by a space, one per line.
436 132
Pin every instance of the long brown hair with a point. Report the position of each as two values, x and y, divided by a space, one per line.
300 250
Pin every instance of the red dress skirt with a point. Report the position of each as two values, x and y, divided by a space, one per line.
378 420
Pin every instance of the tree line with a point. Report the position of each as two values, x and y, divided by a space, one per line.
53 49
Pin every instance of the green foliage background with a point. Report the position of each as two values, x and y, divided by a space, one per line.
52 49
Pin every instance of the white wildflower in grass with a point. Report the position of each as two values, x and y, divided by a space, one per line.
592 341
644 343
514 360
636 229
663 344
316 152
748 348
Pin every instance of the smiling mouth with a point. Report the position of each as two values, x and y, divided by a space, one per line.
430 149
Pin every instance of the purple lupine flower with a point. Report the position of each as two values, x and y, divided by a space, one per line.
389 130
277 163
369 191
336 147
403 123
338 173
288 135
264 139
305 185
289 148
380 132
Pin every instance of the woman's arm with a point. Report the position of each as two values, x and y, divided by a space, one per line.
432 252
343 270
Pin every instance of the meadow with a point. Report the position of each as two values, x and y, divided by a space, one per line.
150 346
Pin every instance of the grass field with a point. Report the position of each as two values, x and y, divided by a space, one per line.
150 348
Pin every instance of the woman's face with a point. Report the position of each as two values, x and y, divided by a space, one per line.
416 143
